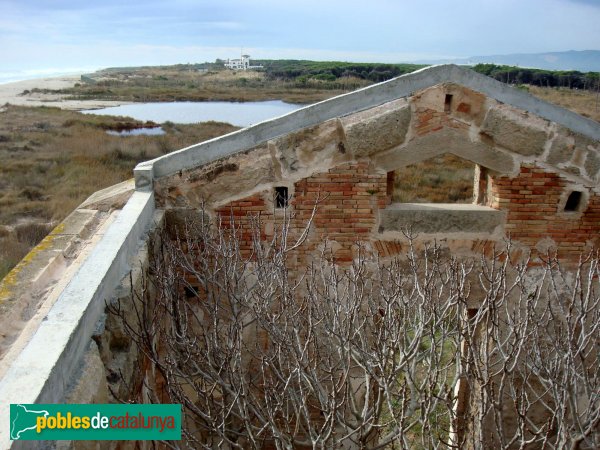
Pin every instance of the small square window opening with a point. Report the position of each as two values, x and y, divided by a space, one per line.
573 201
281 197
448 103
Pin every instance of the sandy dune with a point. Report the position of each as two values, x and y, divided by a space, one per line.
13 93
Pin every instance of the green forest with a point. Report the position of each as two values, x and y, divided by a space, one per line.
572 79
302 71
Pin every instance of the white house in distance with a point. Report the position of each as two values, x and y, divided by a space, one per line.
243 63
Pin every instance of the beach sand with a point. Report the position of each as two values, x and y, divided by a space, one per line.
13 93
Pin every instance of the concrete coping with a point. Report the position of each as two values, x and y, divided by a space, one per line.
41 373
365 98
432 218
439 207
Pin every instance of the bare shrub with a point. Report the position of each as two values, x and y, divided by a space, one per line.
32 233
11 252
421 351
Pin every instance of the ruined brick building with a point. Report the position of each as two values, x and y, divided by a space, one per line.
536 182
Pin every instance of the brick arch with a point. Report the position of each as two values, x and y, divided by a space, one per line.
446 141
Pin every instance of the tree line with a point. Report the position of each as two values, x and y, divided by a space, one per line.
298 70
572 79
330 71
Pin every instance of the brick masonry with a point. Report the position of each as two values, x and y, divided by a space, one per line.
535 202
347 199
429 120
324 168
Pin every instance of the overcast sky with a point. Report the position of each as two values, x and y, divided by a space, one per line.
38 35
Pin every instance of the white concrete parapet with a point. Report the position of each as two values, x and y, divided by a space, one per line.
43 370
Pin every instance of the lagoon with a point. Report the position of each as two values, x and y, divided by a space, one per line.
152 131
236 113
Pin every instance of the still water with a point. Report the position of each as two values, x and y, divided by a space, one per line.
155 131
235 113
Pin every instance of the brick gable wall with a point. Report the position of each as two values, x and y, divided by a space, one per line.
349 196
535 211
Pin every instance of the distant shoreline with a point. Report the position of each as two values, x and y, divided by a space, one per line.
11 92
37 74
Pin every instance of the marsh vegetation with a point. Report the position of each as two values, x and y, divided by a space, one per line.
52 160
186 83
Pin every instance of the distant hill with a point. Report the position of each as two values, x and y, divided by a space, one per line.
584 61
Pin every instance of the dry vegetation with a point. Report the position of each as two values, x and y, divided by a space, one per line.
53 159
586 103
442 179
175 83
377 355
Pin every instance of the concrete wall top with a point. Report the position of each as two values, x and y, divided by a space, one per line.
346 104
41 373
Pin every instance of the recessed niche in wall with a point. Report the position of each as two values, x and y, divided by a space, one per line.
281 196
190 292
573 202
448 103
